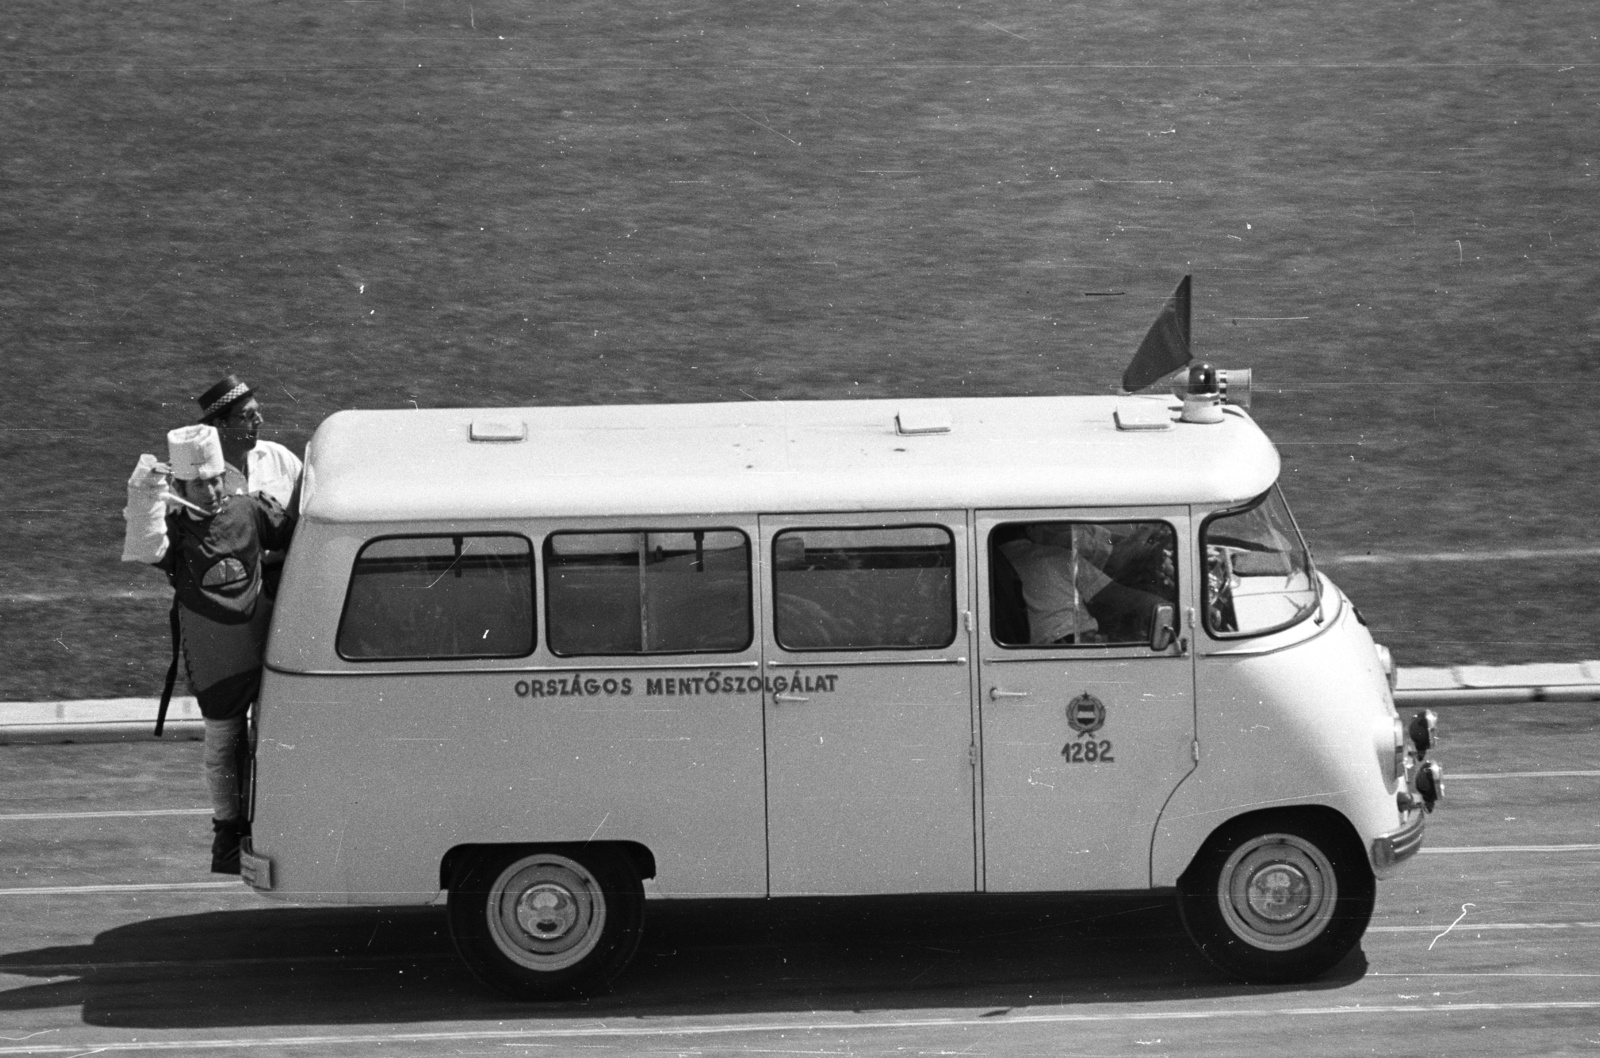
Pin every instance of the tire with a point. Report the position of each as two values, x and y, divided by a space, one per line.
1278 897
550 923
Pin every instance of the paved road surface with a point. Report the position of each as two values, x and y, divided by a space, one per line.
114 940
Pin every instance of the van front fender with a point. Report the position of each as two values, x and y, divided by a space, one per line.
1176 847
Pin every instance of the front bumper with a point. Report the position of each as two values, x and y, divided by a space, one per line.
1391 850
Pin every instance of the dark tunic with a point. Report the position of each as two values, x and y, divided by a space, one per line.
215 567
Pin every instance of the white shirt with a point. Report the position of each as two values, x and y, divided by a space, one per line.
1055 583
272 469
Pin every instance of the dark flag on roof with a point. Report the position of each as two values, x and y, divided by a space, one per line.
1166 347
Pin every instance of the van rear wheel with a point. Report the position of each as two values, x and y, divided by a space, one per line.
1277 898
546 923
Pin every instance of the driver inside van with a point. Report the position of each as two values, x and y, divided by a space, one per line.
1082 584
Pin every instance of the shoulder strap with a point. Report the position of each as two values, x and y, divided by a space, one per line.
172 669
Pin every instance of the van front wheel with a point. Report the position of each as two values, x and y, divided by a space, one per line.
1277 899
548 923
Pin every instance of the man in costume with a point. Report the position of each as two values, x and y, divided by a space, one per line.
211 547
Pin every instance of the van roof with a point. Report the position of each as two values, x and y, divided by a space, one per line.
777 456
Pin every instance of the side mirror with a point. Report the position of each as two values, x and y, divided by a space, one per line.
1163 628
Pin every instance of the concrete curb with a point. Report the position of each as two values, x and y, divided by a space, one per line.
1477 684
133 719
97 720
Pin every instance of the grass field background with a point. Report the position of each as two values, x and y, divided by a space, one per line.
1390 211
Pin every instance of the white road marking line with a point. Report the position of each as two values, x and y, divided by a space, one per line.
794 1026
21 816
1456 777
147 887
1438 850
1488 926
1488 974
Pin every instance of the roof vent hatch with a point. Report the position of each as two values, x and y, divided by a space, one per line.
912 421
498 430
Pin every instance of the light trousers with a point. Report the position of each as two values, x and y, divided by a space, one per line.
224 739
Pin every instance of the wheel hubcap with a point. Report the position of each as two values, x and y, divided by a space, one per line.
546 912
1277 892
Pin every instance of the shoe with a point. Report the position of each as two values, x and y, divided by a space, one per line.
225 846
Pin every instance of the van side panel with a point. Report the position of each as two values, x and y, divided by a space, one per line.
375 777
1310 723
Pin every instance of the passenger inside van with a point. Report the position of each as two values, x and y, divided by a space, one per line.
1057 576
1068 583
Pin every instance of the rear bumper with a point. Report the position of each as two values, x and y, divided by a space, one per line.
255 870
1391 850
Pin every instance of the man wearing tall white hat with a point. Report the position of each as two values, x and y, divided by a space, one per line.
210 546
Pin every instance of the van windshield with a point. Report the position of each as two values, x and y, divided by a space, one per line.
1259 576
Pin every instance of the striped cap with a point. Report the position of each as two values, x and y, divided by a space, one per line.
216 400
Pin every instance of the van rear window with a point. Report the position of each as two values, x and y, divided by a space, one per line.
890 588
464 596
648 592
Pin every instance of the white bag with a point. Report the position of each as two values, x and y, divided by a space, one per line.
145 535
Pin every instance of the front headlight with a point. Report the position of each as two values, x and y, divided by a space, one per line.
1424 732
1430 783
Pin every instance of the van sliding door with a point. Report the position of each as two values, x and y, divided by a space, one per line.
868 704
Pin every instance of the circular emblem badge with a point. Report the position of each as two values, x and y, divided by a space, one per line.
1086 714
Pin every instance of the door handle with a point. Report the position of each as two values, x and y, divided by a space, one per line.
995 694
790 698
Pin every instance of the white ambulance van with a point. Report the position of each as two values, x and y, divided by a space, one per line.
537 658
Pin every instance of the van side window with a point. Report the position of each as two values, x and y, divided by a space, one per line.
1078 583
864 589
645 592
464 596
1259 576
